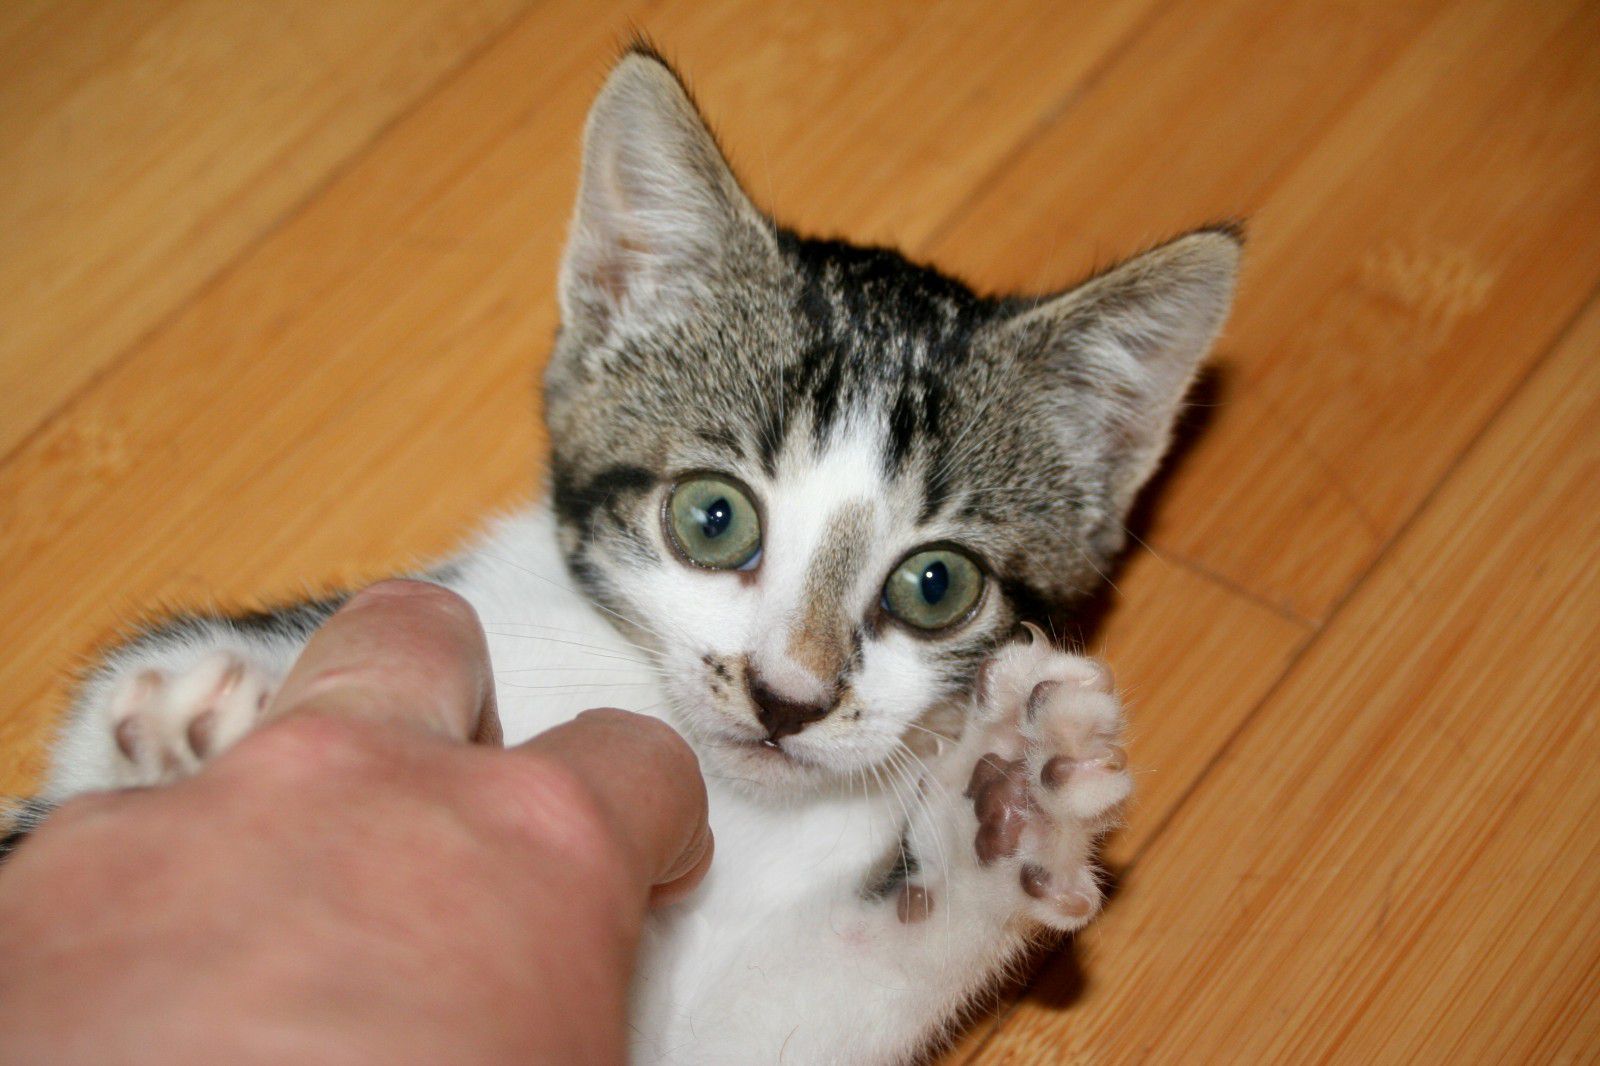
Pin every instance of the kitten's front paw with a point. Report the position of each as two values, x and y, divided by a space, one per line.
166 723
1051 775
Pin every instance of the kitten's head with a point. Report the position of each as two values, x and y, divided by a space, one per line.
825 480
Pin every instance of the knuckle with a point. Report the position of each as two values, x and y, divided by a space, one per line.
551 806
659 736
303 746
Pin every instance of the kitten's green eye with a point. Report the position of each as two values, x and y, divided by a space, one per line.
713 523
933 589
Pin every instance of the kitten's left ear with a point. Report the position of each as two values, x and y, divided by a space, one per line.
660 214
1126 345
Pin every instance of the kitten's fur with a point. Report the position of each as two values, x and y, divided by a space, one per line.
872 406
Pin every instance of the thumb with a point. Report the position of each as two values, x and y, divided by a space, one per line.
405 652
647 780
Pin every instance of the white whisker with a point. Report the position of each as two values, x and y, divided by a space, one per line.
589 649
600 686
900 754
597 605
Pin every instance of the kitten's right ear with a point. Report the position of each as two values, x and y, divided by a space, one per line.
659 211
1128 343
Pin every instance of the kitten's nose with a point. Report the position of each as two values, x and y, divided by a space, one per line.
780 715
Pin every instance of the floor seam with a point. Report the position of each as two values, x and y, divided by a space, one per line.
1314 637
1047 119
1244 592
1378 559
273 227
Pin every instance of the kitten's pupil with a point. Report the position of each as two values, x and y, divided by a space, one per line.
935 582
718 516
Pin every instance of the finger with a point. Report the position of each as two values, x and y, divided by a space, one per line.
648 781
666 892
406 652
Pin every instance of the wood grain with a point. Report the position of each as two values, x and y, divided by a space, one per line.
276 280
358 388
145 145
1422 188
1395 862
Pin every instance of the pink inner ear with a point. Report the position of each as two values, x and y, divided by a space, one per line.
611 272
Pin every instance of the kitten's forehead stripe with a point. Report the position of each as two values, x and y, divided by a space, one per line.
723 439
821 642
878 334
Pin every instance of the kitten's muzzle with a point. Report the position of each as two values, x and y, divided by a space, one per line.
779 715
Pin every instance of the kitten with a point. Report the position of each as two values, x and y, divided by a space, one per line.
800 493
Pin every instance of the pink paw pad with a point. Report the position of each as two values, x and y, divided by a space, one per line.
165 724
1051 775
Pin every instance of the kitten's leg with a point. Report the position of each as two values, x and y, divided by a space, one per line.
1000 839
171 698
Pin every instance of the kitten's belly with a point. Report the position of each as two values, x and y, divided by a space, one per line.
773 863
772 858
555 655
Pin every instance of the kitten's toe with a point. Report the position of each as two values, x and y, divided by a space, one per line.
1074 749
1003 801
166 723
1064 900
1051 778
130 729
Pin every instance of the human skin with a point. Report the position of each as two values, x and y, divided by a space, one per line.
368 877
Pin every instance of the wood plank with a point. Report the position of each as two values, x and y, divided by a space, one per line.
1192 661
355 394
1392 862
1421 180
954 89
1397 861
143 146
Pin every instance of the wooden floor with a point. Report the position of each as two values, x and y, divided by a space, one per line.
275 277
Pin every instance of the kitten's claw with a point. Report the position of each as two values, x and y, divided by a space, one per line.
165 724
913 904
1050 777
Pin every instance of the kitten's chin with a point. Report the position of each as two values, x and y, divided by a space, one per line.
760 767
740 758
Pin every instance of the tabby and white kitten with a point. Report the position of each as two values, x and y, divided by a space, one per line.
801 492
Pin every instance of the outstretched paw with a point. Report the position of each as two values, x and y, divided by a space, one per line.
166 723
1050 775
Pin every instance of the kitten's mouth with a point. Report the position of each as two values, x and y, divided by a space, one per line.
769 752
741 746
767 749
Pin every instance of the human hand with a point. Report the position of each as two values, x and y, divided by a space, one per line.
367 877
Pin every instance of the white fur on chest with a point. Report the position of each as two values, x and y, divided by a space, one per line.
555 655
